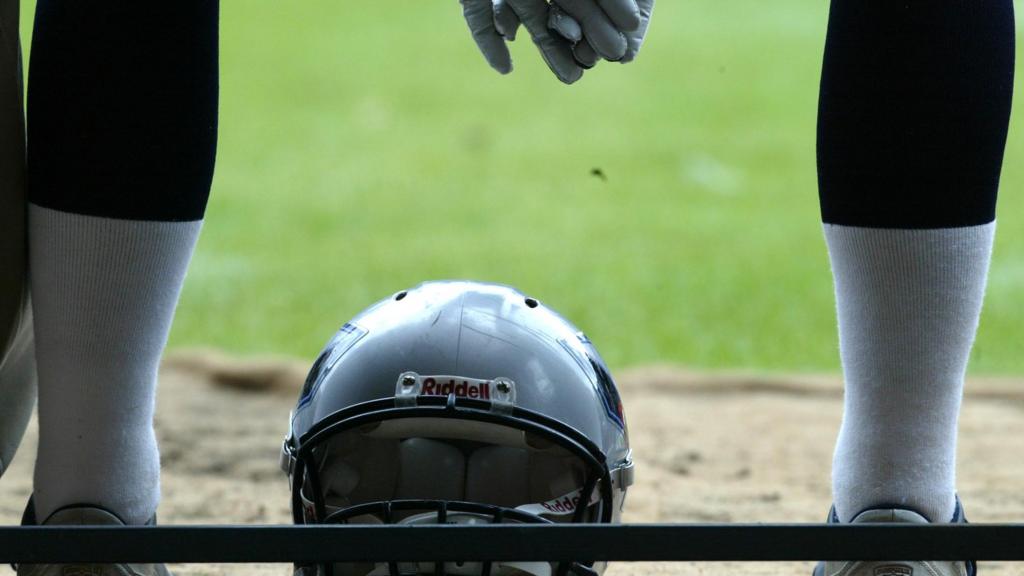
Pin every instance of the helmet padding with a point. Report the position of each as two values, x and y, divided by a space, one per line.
498 475
430 470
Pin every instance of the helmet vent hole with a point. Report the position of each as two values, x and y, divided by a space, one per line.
531 302
401 295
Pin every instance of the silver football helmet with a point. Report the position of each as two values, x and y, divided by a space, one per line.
458 402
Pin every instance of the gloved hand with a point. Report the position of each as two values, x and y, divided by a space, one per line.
587 30
493 22
613 32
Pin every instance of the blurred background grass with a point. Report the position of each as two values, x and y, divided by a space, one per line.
366 146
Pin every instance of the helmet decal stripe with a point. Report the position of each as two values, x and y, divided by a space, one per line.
343 340
584 353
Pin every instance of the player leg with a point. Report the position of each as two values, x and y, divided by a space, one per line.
914 109
17 359
122 119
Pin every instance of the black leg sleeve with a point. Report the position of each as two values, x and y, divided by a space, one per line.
914 110
122 107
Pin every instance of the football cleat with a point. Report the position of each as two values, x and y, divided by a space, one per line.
85 515
896 567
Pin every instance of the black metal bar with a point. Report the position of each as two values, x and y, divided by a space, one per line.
630 542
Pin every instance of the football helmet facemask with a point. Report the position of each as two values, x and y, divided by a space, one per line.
461 403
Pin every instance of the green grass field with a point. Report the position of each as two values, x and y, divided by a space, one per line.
366 146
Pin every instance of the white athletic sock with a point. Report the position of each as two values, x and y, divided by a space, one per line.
908 303
103 293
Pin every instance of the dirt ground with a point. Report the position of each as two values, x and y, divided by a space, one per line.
708 447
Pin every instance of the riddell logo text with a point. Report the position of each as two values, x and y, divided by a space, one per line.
562 505
460 388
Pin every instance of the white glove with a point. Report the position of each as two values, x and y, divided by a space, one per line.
493 22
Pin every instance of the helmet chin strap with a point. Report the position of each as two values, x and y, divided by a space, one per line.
564 505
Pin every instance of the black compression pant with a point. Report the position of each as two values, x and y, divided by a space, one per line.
122 107
914 109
